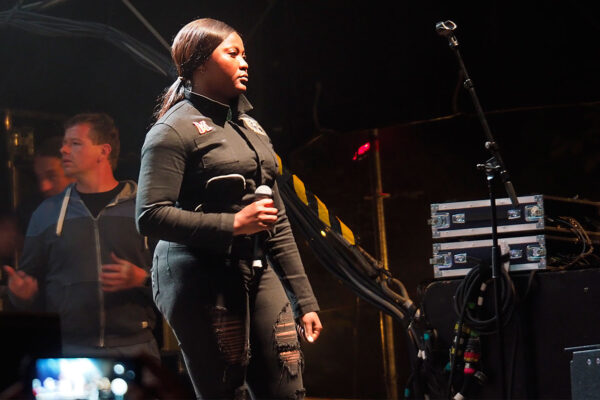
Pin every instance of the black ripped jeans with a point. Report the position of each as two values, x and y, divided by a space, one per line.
235 327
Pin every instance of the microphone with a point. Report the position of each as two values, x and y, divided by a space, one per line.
445 28
261 192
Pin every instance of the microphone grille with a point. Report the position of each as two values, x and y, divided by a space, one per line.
263 190
445 27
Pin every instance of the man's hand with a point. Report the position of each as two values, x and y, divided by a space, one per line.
24 286
121 275
312 326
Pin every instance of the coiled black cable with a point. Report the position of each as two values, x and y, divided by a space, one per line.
468 305
476 282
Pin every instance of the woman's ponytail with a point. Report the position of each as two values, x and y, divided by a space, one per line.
173 95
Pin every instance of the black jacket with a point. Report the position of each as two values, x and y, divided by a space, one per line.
201 163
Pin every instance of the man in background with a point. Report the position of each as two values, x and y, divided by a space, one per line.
47 165
51 180
83 257
50 176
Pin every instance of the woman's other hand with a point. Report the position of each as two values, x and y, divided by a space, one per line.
312 326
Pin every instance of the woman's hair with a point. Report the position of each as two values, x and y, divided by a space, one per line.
192 47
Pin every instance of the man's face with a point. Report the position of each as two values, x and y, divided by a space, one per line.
80 156
50 175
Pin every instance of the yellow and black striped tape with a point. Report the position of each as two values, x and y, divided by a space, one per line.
317 206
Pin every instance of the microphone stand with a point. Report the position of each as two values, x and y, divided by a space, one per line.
492 167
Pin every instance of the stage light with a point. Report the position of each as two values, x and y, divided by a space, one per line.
118 386
362 151
119 369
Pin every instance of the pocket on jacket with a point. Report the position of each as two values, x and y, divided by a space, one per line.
78 305
215 152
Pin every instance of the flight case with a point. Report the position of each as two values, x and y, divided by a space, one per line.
542 231
535 213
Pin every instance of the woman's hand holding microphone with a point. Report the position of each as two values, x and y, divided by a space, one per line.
258 216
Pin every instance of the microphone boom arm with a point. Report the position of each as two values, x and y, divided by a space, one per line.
446 29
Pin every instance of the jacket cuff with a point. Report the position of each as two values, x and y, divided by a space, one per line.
302 309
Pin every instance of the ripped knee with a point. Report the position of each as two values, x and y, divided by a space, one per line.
231 338
286 342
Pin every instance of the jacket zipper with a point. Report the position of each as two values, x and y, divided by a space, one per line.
102 316
101 341
100 292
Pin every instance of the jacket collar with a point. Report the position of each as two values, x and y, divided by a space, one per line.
127 193
219 112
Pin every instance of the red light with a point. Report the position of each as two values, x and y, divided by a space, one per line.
362 150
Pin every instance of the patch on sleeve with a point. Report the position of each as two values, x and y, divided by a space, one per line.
254 126
202 127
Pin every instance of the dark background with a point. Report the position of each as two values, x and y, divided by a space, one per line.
322 74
